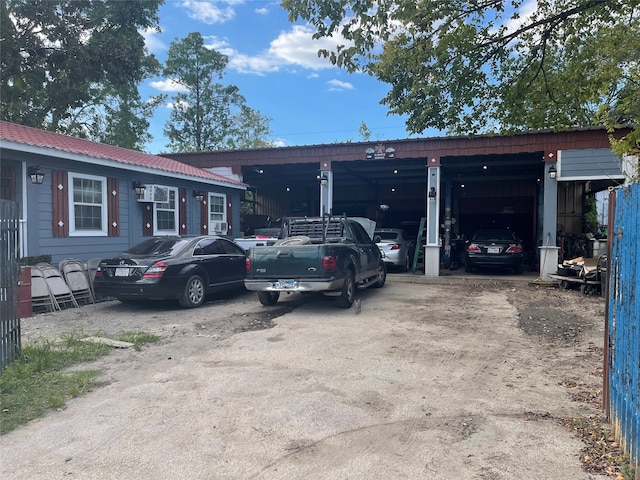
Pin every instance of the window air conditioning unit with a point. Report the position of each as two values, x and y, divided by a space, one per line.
220 228
155 194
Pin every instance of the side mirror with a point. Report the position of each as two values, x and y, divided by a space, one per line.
377 239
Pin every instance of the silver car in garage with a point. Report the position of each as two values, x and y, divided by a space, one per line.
397 246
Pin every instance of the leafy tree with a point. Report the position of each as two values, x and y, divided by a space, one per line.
250 129
207 115
364 131
73 66
477 66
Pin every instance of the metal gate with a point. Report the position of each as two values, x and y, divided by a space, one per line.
622 384
9 273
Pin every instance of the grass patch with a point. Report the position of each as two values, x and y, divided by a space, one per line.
37 382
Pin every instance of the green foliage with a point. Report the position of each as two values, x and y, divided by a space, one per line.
472 67
73 67
38 381
34 260
207 115
591 214
364 132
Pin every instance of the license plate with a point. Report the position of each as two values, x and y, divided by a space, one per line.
122 272
493 249
285 284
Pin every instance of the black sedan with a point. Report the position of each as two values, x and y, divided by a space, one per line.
496 248
186 269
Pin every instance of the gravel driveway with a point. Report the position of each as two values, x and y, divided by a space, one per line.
442 379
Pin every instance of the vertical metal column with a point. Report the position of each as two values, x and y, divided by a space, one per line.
432 246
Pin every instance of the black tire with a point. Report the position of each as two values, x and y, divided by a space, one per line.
407 264
348 293
518 270
564 284
468 268
194 293
297 240
382 276
268 298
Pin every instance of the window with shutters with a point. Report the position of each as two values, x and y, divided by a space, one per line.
166 215
87 205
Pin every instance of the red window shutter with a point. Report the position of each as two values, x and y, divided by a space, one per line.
59 203
113 207
229 210
182 211
147 219
204 216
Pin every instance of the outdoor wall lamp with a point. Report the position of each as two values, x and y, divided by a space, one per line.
553 173
139 188
324 180
36 175
198 195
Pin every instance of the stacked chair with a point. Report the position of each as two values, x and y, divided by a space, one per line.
58 287
41 298
75 274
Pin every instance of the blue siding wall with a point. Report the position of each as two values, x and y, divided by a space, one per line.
39 206
590 164
624 321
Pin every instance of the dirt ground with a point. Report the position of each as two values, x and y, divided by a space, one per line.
461 378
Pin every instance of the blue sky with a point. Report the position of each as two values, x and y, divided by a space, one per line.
275 65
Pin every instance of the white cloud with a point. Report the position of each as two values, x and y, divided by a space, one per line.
262 11
295 47
210 12
152 42
168 85
339 85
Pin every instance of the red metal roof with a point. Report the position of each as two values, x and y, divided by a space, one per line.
12 132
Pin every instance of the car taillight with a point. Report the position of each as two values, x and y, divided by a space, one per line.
473 248
98 273
156 270
395 246
329 262
247 263
514 249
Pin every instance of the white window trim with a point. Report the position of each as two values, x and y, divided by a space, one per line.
224 211
156 230
103 232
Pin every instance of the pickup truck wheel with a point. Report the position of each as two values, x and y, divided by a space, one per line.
268 298
193 295
382 276
345 300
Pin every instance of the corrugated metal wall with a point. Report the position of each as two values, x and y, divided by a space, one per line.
623 318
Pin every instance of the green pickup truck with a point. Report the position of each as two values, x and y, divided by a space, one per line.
329 254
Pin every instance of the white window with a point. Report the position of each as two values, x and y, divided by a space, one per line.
217 214
87 205
165 214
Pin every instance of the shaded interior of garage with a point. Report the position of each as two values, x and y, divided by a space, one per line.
479 191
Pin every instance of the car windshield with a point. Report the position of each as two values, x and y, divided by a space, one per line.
387 235
494 236
157 247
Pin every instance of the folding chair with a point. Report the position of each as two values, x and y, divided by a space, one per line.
92 268
57 285
41 298
75 275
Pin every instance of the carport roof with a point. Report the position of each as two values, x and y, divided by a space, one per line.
16 137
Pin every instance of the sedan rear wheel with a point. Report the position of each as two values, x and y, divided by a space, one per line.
193 295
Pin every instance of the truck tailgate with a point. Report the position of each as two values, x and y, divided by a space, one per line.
297 261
